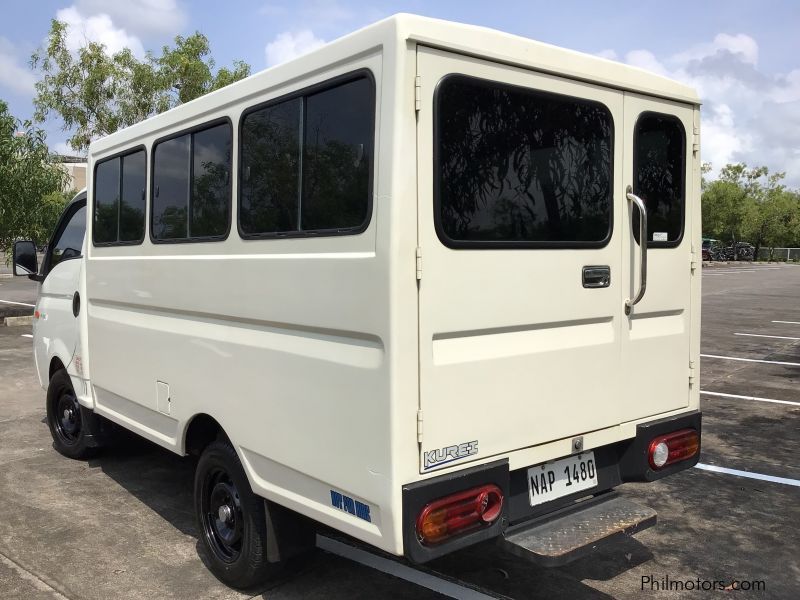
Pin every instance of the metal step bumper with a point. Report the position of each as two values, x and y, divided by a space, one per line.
554 540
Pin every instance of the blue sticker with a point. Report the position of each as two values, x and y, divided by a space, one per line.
350 506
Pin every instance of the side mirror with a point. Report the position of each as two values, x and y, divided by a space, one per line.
25 260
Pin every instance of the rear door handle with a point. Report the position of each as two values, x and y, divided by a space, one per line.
596 276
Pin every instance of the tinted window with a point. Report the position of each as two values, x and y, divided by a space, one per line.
131 210
106 201
306 162
70 240
271 169
517 166
336 153
171 168
191 179
659 167
210 200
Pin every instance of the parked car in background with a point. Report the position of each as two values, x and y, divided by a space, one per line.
712 249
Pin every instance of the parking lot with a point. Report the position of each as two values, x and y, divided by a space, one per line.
121 525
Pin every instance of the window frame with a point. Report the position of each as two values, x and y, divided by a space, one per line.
80 201
120 155
512 244
171 136
363 73
668 117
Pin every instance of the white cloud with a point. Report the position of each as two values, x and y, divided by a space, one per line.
289 45
748 115
13 75
142 17
607 53
97 28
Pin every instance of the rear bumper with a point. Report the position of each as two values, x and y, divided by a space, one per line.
616 464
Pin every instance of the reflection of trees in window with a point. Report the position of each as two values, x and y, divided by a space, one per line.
131 209
171 223
659 180
210 200
106 201
271 168
310 155
336 155
211 154
192 185
119 191
522 165
171 187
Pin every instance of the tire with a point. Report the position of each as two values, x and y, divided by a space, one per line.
231 519
72 426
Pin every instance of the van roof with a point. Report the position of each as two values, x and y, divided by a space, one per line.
396 31
517 50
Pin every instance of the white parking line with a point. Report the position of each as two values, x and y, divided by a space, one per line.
749 474
396 569
774 337
756 398
27 335
753 360
788 322
17 303
742 270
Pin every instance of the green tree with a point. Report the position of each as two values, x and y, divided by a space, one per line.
31 182
95 93
724 207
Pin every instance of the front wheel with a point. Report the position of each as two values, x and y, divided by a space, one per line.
231 519
71 425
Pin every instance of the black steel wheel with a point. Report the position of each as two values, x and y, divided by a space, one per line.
231 519
72 426
221 512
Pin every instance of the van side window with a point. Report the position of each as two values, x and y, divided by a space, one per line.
269 200
659 166
119 192
517 167
191 186
69 242
307 162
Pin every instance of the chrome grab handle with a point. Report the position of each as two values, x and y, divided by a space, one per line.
629 304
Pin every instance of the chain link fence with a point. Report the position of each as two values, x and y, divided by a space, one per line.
779 254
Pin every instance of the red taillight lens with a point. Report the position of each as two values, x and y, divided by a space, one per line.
459 513
673 447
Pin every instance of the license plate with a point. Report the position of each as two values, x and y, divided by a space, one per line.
563 477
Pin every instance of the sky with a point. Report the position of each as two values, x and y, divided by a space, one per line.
742 57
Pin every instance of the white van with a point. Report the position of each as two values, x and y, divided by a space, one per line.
430 285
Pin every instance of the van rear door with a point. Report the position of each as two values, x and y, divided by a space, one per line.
521 237
656 335
527 259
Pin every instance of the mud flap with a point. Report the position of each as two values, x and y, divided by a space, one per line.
577 531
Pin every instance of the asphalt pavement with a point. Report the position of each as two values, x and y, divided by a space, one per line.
121 525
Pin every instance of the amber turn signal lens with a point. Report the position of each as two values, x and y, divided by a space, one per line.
459 513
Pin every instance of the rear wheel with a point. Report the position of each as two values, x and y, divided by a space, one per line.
71 424
231 519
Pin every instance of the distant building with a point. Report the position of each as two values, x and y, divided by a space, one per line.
75 166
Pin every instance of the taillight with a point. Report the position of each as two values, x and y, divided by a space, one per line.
459 513
673 447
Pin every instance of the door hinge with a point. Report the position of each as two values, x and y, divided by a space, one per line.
691 373
419 426
693 261
696 140
419 263
417 93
